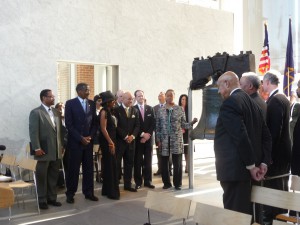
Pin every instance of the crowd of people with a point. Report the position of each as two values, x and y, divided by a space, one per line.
123 126
252 140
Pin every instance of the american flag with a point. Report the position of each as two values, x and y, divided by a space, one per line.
265 62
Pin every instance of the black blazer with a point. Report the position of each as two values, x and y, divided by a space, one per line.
127 126
241 138
278 118
295 165
260 102
148 124
78 123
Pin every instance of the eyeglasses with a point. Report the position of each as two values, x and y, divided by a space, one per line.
52 96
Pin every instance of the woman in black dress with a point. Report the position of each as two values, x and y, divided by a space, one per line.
108 124
183 102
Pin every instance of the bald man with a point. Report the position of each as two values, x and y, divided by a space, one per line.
250 83
128 127
242 144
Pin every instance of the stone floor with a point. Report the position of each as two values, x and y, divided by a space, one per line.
129 210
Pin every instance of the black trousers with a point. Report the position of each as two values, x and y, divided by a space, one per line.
80 156
177 170
126 151
237 196
143 162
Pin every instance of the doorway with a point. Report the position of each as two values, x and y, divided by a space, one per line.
100 77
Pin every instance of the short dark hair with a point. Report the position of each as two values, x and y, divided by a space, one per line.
44 93
170 90
81 86
135 93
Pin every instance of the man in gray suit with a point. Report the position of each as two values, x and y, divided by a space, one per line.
45 130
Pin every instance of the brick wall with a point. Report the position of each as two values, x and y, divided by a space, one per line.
85 74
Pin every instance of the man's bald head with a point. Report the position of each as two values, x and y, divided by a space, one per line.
226 83
127 99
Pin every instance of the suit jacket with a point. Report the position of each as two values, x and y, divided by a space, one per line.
172 129
44 135
126 125
260 102
295 165
148 124
295 112
78 123
241 139
278 118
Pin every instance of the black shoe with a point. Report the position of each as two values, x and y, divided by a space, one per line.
113 198
70 200
54 203
149 186
43 205
137 186
92 198
157 173
99 180
167 186
178 188
130 189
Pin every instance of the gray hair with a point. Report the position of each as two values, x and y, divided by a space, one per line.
272 76
253 79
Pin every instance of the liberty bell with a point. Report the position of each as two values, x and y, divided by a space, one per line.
213 67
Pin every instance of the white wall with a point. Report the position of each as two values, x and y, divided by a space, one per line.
153 42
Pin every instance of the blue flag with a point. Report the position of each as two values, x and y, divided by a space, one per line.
289 71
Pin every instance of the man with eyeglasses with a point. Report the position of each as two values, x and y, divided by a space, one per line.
46 136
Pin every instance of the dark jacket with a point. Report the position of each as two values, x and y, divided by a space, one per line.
278 118
148 124
241 139
78 123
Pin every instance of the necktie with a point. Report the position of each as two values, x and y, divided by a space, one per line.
51 116
84 106
127 112
142 111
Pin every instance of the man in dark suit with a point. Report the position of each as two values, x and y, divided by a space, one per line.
295 165
80 118
250 83
127 130
144 143
45 130
278 118
242 144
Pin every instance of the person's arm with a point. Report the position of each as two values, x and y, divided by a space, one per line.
232 119
120 131
103 125
69 120
34 132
